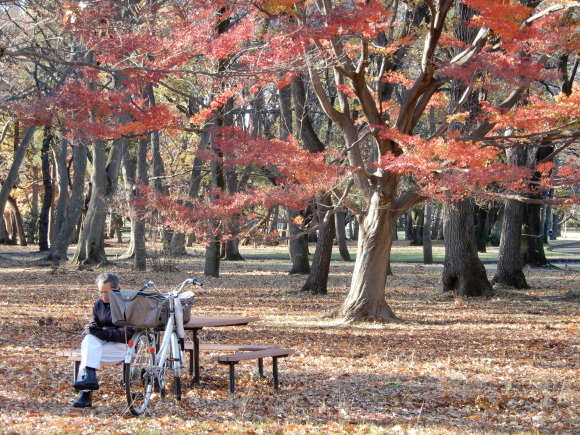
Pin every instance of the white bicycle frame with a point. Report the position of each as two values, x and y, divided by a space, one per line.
169 340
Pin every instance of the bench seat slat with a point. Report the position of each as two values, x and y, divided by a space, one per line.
236 357
227 347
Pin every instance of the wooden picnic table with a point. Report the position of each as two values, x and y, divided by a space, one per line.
197 323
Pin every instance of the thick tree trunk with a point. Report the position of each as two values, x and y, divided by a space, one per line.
532 244
427 244
232 250
509 264
317 281
212 259
44 218
91 245
63 239
177 244
366 298
463 272
140 257
341 236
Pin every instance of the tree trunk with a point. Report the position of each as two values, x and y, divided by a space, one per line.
62 188
438 227
129 175
11 177
177 244
354 229
212 259
232 251
44 218
366 298
317 281
481 229
463 272
427 244
416 218
63 239
298 248
18 222
408 226
118 225
91 245
548 220
32 224
341 235
509 264
496 229
13 228
231 246
532 244
140 258
555 230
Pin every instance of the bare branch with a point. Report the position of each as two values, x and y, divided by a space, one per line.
550 156
547 11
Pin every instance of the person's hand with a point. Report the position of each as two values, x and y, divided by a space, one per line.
99 332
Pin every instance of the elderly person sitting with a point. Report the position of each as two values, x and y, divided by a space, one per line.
104 343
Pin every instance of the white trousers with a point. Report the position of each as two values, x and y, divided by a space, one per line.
95 352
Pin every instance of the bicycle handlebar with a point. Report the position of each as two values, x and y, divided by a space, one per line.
189 281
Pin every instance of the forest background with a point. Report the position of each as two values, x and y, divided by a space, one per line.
221 125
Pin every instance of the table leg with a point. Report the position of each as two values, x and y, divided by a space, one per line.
196 376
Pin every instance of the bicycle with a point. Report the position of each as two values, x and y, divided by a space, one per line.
147 362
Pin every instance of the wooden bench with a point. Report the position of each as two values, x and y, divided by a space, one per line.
222 348
74 355
235 358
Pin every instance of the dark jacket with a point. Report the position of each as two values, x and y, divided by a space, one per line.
102 317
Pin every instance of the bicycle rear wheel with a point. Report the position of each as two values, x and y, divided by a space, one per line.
139 375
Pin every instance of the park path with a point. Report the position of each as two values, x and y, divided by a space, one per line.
569 249
571 257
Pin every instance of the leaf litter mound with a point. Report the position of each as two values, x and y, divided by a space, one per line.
505 364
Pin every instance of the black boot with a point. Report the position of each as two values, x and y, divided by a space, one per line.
89 380
85 400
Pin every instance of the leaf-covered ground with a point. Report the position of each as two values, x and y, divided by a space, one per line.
507 364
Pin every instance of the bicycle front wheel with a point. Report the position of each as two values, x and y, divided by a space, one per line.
139 375
176 359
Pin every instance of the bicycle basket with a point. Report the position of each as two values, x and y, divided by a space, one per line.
186 300
137 309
